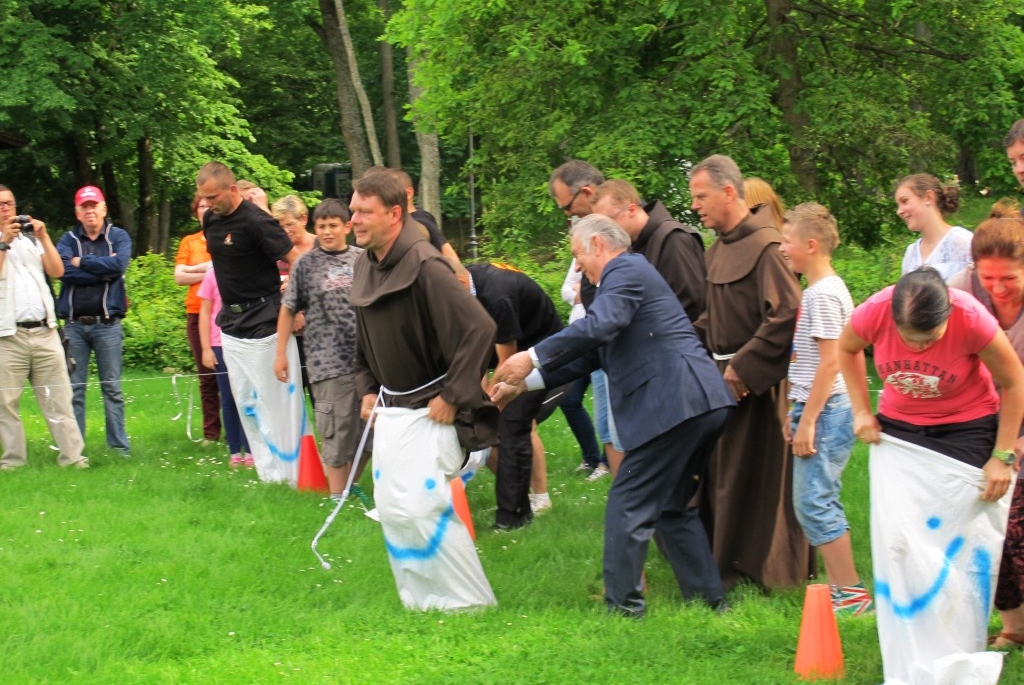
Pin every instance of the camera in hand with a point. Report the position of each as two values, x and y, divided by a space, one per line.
26 223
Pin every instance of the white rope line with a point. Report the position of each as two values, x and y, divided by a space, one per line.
379 403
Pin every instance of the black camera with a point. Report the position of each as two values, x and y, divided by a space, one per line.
26 223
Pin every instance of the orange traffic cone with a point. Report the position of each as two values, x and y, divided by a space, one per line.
819 654
461 505
311 471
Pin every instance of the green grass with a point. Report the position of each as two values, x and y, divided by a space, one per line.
170 568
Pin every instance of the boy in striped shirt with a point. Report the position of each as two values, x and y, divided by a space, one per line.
819 425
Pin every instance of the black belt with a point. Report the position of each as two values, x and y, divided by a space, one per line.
31 324
93 320
240 307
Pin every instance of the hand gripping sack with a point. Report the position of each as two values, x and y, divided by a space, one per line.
432 556
936 548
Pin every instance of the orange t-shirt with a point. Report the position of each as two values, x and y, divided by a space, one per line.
192 251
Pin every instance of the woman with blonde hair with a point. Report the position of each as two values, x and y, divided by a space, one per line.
758 192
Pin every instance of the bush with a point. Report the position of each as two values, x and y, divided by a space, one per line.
155 335
864 271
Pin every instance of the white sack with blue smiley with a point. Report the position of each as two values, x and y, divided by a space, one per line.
432 556
936 547
272 413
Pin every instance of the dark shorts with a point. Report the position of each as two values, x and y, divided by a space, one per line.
971 442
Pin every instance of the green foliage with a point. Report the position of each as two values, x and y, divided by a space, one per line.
642 90
154 328
86 80
864 271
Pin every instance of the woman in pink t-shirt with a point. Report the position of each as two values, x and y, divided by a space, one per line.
937 350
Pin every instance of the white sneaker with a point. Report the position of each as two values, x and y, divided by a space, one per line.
540 503
597 474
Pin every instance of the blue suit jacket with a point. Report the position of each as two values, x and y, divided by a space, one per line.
659 374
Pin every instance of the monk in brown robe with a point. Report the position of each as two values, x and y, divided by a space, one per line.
752 298
417 323
423 346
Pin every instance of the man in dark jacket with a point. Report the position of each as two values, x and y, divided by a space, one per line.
93 300
673 248
669 401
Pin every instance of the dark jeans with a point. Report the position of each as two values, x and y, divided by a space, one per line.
652 493
237 442
209 396
579 421
515 459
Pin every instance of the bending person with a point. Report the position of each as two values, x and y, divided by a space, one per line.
670 402
937 351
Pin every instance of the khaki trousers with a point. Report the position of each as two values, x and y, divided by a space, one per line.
36 355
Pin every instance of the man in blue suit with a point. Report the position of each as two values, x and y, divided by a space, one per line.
669 401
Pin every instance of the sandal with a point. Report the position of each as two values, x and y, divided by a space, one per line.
1006 641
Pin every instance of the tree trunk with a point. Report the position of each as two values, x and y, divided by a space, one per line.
147 217
357 83
430 155
387 84
83 161
786 65
351 126
119 211
163 228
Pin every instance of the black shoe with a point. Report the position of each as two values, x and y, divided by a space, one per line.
508 527
720 606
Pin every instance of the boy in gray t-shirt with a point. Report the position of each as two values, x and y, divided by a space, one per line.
319 285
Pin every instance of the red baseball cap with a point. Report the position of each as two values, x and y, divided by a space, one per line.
88 194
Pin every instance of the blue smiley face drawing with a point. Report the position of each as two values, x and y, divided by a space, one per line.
251 409
432 546
981 570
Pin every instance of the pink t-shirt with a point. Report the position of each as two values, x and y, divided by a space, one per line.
946 383
208 290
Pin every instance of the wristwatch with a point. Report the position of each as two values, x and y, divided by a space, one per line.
1008 457
4 246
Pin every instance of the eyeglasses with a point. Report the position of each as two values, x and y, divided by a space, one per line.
10 203
566 207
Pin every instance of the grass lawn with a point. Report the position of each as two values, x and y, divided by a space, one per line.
170 568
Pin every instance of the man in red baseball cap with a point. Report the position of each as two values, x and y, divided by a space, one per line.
88 194
93 301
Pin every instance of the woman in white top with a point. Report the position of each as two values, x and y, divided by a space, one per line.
923 203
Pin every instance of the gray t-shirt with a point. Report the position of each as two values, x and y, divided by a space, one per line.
319 285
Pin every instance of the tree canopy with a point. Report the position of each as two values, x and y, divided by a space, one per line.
833 101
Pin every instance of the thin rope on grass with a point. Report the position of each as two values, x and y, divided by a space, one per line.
324 564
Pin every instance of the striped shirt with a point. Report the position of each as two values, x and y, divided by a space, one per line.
825 308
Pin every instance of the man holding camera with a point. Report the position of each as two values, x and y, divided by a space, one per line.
29 343
93 300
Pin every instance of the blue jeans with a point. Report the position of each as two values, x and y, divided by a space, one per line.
106 340
579 421
603 411
817 480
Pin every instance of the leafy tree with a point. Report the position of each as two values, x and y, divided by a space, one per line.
130 93
833 100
